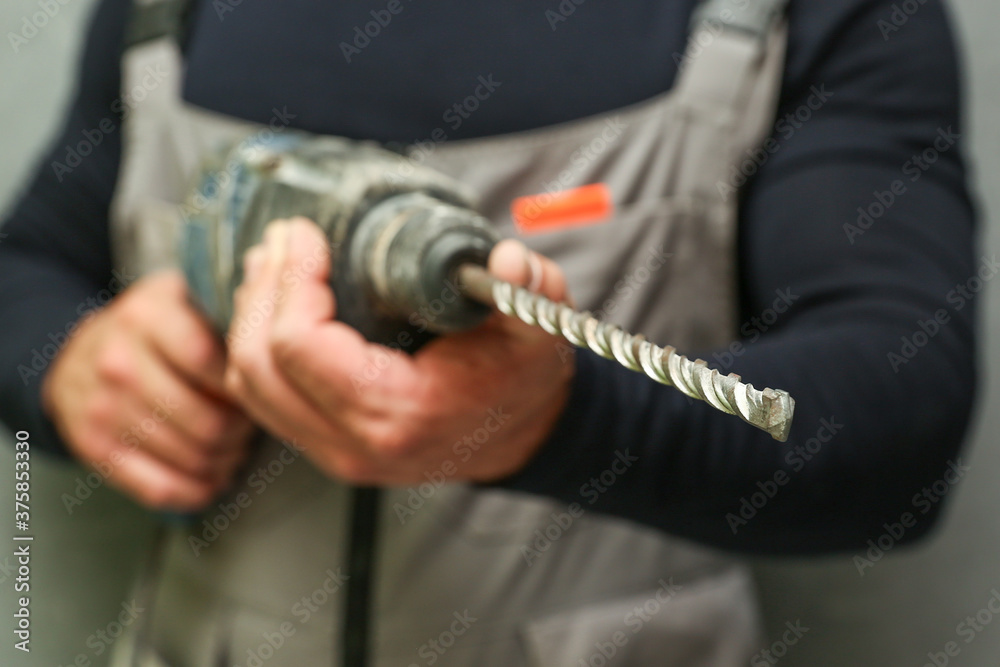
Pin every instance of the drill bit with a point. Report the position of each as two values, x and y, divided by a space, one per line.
770 410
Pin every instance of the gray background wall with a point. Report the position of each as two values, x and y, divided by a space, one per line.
909 604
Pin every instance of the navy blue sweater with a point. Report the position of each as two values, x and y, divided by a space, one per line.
878 418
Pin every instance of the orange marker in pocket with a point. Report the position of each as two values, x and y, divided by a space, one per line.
550 211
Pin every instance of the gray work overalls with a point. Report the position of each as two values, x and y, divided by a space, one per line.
472 577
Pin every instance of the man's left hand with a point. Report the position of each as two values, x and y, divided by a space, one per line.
370 415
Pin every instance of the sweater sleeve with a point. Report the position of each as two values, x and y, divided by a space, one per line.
860 228
55 264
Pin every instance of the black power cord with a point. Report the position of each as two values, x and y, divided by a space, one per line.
360 573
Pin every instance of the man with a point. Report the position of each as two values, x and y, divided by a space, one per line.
854 230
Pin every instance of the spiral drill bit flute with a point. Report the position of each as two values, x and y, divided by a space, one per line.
770 410
400 233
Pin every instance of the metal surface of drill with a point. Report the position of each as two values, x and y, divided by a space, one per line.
770 409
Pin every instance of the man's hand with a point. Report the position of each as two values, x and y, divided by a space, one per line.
138 391
370 415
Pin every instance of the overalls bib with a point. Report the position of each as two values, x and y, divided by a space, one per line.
468 576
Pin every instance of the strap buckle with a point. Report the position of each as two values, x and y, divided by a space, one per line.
751 17
154 19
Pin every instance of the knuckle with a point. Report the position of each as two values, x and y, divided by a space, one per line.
285 341
214 427
170 283
89 444
115 362
233 381
202 350
131 310
391 443
243 360
428 401
100 411
201 464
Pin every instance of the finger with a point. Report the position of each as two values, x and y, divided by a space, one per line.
140 428
304 271
160 486
205 422
187 342
146 478
146 394
254 301
253 261
279 407
512 261
271 279
325 359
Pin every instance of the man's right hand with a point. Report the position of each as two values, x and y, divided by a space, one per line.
138 391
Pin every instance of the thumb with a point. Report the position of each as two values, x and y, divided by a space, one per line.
512 261
304 293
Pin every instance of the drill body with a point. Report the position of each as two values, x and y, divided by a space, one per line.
397 231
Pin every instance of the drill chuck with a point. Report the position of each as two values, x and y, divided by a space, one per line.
406 252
